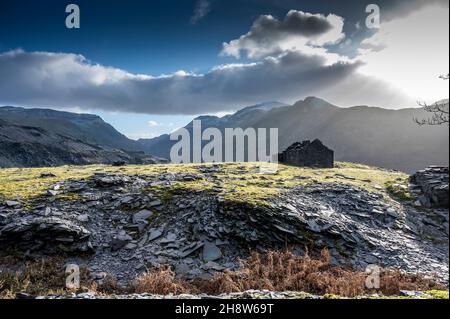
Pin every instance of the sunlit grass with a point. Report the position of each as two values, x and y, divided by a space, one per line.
242 182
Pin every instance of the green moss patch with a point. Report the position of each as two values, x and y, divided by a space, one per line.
242 182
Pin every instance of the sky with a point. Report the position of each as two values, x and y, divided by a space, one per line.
149 67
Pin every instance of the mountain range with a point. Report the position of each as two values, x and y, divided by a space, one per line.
369 135
363 134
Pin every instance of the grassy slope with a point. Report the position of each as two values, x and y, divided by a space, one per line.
243 179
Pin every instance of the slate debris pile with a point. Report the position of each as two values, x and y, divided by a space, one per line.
124 225
364 228
431 184
47 234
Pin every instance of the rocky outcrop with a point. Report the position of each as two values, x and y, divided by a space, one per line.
133 223
431 186
45 234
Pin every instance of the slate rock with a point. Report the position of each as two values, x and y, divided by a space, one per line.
120 241
434 184
27 231
211 252
47 175
155 203
52 192
11 203
154 234
142 216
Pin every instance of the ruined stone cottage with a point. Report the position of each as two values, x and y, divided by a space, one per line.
309 154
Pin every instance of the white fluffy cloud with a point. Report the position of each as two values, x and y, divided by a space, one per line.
298 31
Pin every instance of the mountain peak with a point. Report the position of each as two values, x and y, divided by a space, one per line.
314 102
266 106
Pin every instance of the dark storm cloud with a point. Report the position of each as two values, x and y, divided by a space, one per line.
59 80
268 34
295 23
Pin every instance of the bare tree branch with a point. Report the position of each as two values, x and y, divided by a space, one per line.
439 111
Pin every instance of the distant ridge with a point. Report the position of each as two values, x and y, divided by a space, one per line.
363 134
88 127
43 137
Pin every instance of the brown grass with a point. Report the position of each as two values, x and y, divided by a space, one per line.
42 277
283 271
161 282
274 271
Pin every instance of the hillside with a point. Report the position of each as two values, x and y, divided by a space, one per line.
86 127
28 146
124 222
369 135
39 137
